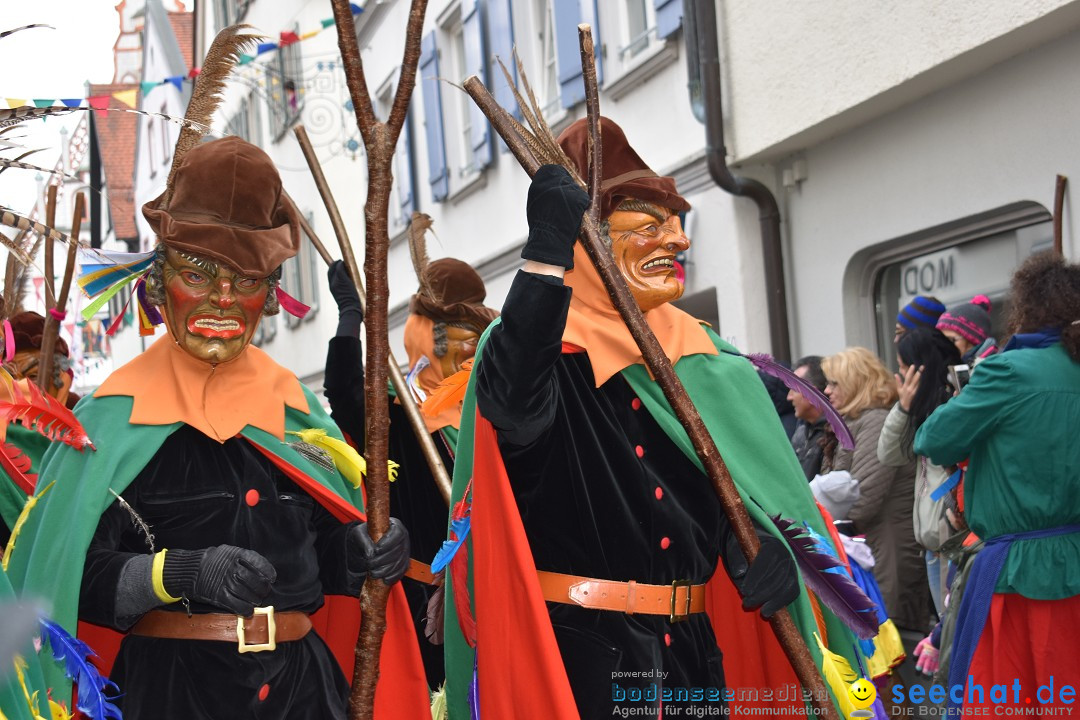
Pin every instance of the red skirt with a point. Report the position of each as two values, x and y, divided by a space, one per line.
1028 655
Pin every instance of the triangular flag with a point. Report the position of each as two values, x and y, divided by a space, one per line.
16 102
194 72
126 96
245 59
356 9
288 37
310 34
99 103
43 102
148 86
72 102
178 81
265 47
327 22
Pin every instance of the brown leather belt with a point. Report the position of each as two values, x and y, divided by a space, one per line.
422 573
678 600
262 631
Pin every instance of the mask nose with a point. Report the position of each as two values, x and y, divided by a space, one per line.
223 297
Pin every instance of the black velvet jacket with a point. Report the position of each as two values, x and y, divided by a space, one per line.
603 493
197 493
414 498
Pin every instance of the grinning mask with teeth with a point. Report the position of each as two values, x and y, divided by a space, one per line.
211 310
644 241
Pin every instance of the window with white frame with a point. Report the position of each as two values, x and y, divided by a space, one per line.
546 83
466 166
638 28
300 278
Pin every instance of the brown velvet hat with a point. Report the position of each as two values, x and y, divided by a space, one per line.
452 292
228 205
625 174
27 329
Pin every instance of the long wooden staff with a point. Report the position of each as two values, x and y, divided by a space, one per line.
1059 212
50 272
655 359
408 402
52 325
380 140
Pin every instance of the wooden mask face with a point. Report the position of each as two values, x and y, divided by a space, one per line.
644 247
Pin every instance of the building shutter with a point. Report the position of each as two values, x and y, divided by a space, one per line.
500 25
472 29
568 15
668 17
438 172
403 168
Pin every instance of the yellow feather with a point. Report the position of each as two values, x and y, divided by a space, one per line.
20 521
392 468
59 712
349 463
31 700
839 675
438 703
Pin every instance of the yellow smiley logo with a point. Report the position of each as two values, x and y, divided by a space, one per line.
862 693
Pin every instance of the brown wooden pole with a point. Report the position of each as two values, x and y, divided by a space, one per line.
380 140
1059 210
52 326
50 271
405 396
660 367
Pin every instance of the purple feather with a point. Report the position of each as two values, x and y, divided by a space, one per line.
833 588
474 693
815 397
75 654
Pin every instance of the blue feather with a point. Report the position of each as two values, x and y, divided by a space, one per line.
75 654
449 548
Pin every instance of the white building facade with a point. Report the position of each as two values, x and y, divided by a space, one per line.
912 147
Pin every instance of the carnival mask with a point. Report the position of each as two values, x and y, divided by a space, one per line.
25 364
211 310
460 346
644 247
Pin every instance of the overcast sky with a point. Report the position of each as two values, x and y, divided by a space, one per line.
45 63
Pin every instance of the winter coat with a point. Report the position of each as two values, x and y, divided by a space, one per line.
883 513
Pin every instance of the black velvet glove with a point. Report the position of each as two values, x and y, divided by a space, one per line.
350 311
229 577
555 207
770 582
387 559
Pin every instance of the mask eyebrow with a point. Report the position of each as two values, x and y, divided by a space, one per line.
634 205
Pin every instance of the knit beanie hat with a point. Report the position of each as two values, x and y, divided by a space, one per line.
970 320
922 311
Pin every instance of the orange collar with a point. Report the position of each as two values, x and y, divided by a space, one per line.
168 385
595 325
420 343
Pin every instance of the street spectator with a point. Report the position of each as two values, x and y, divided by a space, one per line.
778 393
922 311
862 391
923 356
810 428
968 326
1015 422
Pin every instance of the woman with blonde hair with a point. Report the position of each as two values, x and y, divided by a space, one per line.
862 390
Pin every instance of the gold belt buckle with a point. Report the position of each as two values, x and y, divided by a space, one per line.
675 585
271 631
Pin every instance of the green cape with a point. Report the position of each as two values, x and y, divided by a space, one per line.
48 558
741 418
12 498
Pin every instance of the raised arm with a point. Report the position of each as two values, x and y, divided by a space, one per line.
343 382
515 380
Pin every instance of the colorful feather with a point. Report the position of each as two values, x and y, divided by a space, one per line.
474 692
76 655
31 699
17 465
450 393
17 221
349 463
14 116
436 608
136 520
824 574
18 165
459 530
44 414
438 703
837 673
815 397
31 502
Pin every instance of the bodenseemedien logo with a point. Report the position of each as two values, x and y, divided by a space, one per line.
862 694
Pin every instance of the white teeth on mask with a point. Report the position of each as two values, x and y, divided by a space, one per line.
659 262
224 324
